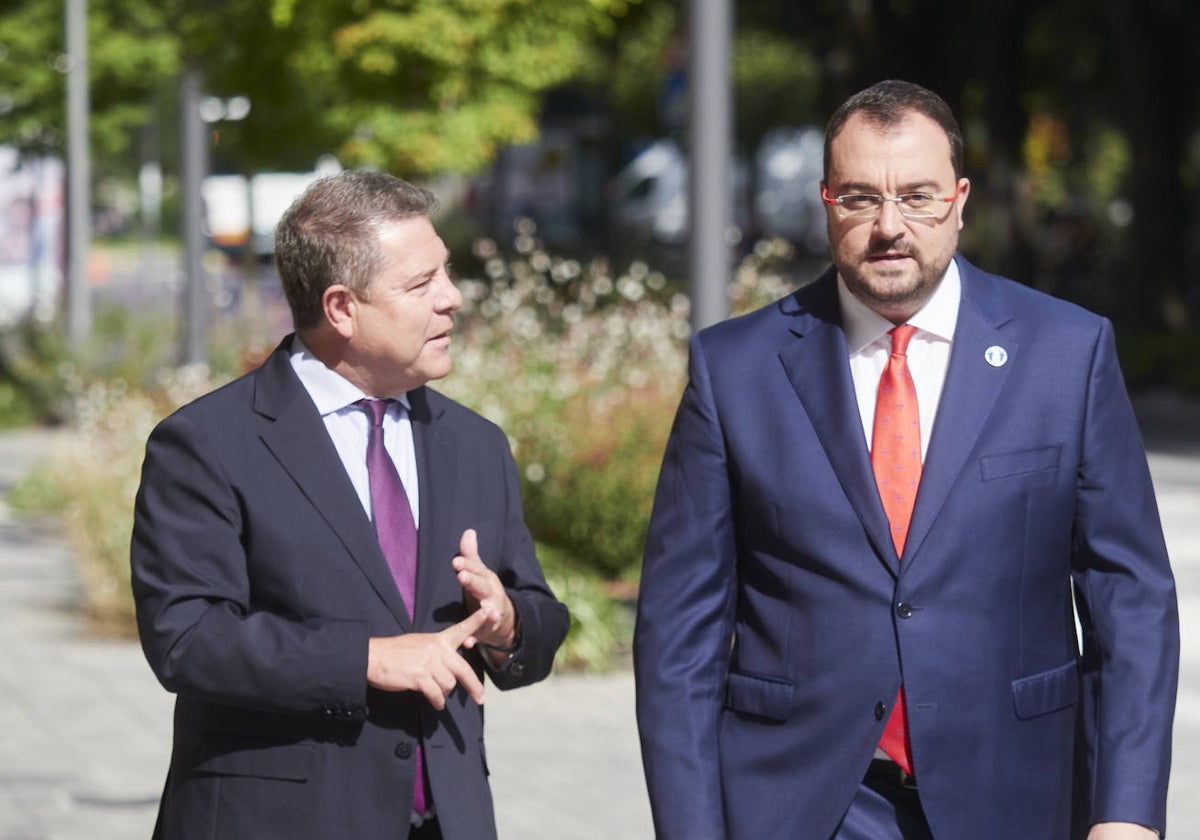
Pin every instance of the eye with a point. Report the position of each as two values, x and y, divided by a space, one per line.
860 201
917 201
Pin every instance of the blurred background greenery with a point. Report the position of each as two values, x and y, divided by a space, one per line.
555 133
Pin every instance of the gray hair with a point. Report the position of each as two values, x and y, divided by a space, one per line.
330 235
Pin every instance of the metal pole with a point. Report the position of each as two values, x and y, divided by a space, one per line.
79 234
195 167
710 125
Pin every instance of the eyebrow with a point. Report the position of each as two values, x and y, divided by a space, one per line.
426 276
861 187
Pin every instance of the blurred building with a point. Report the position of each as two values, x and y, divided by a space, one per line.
32 225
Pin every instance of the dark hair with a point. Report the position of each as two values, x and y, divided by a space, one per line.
330 235
887 103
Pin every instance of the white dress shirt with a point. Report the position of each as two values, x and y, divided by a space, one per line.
348 426
928 352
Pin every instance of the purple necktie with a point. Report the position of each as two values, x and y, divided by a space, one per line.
397 535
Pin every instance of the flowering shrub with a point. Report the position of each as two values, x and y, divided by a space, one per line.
92 483
582 367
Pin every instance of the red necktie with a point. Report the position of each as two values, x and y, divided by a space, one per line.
397 533
896 459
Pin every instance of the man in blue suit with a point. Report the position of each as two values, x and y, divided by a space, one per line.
884 502
328 556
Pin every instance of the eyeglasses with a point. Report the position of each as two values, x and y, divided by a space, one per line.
869 205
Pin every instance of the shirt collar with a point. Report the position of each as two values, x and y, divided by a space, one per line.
864 326
330 391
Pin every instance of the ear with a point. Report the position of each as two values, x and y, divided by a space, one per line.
964 191
341 308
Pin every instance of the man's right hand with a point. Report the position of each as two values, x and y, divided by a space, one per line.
428 662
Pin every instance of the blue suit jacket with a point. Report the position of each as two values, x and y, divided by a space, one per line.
775 620
259 580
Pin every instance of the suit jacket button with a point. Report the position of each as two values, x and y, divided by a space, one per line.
404 750
516 669
880 711
904 610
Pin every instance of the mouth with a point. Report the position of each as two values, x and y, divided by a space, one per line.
889 257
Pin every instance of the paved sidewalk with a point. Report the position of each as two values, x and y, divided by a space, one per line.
87 728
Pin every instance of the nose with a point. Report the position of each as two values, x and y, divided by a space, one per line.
889 223
449 297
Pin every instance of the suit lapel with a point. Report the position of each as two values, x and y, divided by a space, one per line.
297 437
818 367
436 543
968 398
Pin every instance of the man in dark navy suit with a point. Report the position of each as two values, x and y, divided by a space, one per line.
328 555
884 501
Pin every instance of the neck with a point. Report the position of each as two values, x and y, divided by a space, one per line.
332 351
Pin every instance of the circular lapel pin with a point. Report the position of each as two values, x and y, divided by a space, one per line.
996 355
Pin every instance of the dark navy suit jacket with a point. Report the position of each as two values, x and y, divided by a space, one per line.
259 581
775 620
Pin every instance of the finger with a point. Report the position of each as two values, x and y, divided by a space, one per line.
468 546
433 692
480 586
457 634
446 680
467 678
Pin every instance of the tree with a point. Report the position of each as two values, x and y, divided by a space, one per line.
412 86
131 55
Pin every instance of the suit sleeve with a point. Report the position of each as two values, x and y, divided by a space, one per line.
685 619
192 588
1127 607
543 619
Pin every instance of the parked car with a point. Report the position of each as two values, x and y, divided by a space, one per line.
649 200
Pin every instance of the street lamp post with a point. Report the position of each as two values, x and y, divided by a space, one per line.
710 123
79 193
198 112
194 144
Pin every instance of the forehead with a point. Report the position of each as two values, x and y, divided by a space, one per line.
911 151
411 247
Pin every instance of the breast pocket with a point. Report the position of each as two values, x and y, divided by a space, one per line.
1026 461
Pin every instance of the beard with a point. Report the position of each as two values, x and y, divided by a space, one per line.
897 290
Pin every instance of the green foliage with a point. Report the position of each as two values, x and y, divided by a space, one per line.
601 624
33 365
131 57
776 83
1155 360
17 407
592 497
776 77
416 87
439 86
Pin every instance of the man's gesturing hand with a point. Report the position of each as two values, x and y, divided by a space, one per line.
428 662
484 591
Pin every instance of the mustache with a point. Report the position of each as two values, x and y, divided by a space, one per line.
894 247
